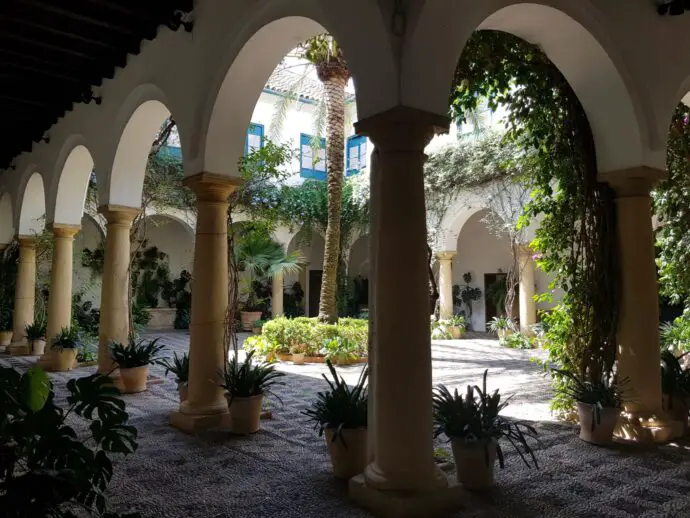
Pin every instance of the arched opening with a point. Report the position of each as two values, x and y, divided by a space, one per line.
309 279
73 183
32 207
358 273
6 226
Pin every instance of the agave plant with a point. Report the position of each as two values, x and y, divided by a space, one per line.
137 353
249 379
475 417
179 367
497 324
36 330
341 407
67 338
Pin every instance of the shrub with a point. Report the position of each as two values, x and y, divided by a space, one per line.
517 341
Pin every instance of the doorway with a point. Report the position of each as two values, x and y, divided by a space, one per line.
315 277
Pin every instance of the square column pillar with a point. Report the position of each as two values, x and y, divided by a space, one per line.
528 307
445 283
638 321
60 300
277 295
114 322
206 405
403 479
24 296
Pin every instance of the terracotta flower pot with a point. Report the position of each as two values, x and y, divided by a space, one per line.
298 358
455 332
134 379
677 408
63 359
5 338
602 431
248 319
245 414
183 390
349 458
38 347
471 467
256 330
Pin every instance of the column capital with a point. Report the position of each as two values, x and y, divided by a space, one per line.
445 255
633 182
26 241
212 187
402 128
119 214
62 230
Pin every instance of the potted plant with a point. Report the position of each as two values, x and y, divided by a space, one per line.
65 346
456 326
599 404
257 326
245 386
502 326
5 326
180 368
341 412
133 360
36 336
675 387
298 351
473 425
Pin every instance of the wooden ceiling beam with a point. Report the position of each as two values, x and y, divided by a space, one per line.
54 48
65 13
43 27
42 72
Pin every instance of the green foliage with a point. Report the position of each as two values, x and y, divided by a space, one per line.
675 336
605 392
36 330
163 187
442 329
150 276
87 353
180 297
67 338
280 334
466 295
85 317
293 300
136 353
94 259
497 292
517 341
475 418
497 324
341 407
675 381
48 469
179 367
249 379
8 279
340 349
140 316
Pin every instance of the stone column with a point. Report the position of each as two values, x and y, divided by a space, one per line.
528 307
277 295
60 301
114 322
403 478
206 406
24 296
445 283
638 321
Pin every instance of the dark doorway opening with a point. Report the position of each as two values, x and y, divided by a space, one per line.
315 277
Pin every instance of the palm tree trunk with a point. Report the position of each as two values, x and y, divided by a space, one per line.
334 89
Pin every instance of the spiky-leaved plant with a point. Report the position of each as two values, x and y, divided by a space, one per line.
36 330
474 418
342 407
250 378
179 367
137 353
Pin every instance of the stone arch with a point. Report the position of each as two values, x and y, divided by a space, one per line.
31 206
71 176
456 217
141 116
575 41
173 235
245 69
187 220
6 226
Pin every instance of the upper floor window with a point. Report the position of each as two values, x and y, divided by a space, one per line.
312 165
356 154
255 138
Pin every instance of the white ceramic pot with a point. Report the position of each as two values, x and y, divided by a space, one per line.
38 347
474 463
597 429
5 338
349 454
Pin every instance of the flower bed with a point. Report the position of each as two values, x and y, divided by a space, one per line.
344 342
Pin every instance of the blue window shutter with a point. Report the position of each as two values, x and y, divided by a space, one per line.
311 166
356 154
254 139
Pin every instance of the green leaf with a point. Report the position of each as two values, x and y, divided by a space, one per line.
35 388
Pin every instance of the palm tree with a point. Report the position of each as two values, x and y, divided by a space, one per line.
331 68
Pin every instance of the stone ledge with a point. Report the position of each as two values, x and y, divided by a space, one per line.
404 504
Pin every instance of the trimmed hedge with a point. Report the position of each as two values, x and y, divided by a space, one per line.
279 334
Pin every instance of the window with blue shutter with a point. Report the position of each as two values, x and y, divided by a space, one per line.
255 138
312 165
356 154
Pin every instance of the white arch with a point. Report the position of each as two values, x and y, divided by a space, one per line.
72 176
575 41
184 218
125 181
6 226
32 206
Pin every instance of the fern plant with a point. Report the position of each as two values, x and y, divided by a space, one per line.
341 407
137 353
250 378
475 418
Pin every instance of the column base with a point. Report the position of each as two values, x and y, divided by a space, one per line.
407 504
647 429
18 349
195 424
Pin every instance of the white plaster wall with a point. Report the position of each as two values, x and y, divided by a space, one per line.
173 238
359 258
82 278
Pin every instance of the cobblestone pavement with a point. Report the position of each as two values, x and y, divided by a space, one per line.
284 471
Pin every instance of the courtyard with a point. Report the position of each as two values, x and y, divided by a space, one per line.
284 470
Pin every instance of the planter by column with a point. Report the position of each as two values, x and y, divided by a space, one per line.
602 431
455 332
134 379
471 466
5 338
248 319
63 359
38 347
349 454
245 414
